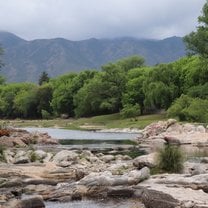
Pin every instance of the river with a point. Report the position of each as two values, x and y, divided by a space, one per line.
121 203
75 139
83 135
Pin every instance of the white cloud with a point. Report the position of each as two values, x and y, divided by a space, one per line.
81 19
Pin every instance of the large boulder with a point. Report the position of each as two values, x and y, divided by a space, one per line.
107 179
65 156
175 190
145 161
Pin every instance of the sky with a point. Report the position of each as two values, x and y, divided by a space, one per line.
83 19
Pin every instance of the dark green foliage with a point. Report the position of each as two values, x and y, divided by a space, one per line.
103 94
189 109
170 159
199 91
161 87
197 42
44 78
45 114
131 62
129 111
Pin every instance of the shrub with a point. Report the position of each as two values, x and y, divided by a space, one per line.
45 114
189 109
130 111
33 157
170 159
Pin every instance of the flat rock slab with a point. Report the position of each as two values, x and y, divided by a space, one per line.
170 193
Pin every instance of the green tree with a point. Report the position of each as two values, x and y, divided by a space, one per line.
197 42
102 94
8 94
44 78
25 104
134 94
131 62
161 87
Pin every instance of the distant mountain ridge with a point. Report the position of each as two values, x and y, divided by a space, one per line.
25 60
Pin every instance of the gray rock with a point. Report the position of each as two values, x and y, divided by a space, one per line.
119 192
107 158
158 199
145 161
9 156
22 160
40 154
65 155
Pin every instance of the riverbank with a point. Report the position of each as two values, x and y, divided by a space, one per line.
93 123
66 175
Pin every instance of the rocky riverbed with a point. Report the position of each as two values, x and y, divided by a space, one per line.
69 175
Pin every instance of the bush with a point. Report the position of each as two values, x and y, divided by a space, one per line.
33 157
130 111
170 159
189 109
45 114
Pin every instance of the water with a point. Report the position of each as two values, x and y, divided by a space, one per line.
97 204
74 139
94 141
83 135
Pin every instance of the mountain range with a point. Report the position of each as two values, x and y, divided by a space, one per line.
26 60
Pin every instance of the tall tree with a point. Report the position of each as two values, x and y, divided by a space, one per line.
43 78
197 42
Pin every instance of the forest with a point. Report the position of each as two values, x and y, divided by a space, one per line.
127 86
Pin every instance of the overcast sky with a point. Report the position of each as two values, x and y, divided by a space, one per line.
82 19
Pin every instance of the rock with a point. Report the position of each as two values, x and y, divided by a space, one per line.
107 158
145 161
158 199
120 192
107 179
157 144
136 176
9 156
64 156
40 154
172 190
119 168
22 160
204 159
11 183
34 181
48 157
201 129
195 168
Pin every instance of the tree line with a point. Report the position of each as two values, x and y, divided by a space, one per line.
126 87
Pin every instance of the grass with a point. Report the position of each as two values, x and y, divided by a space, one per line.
96 122
170 159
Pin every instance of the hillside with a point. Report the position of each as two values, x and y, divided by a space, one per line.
25 60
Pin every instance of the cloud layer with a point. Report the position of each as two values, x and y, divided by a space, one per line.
82 19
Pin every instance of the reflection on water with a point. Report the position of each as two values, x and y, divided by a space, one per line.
81 135
129 203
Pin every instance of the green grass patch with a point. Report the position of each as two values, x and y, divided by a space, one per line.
96 122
